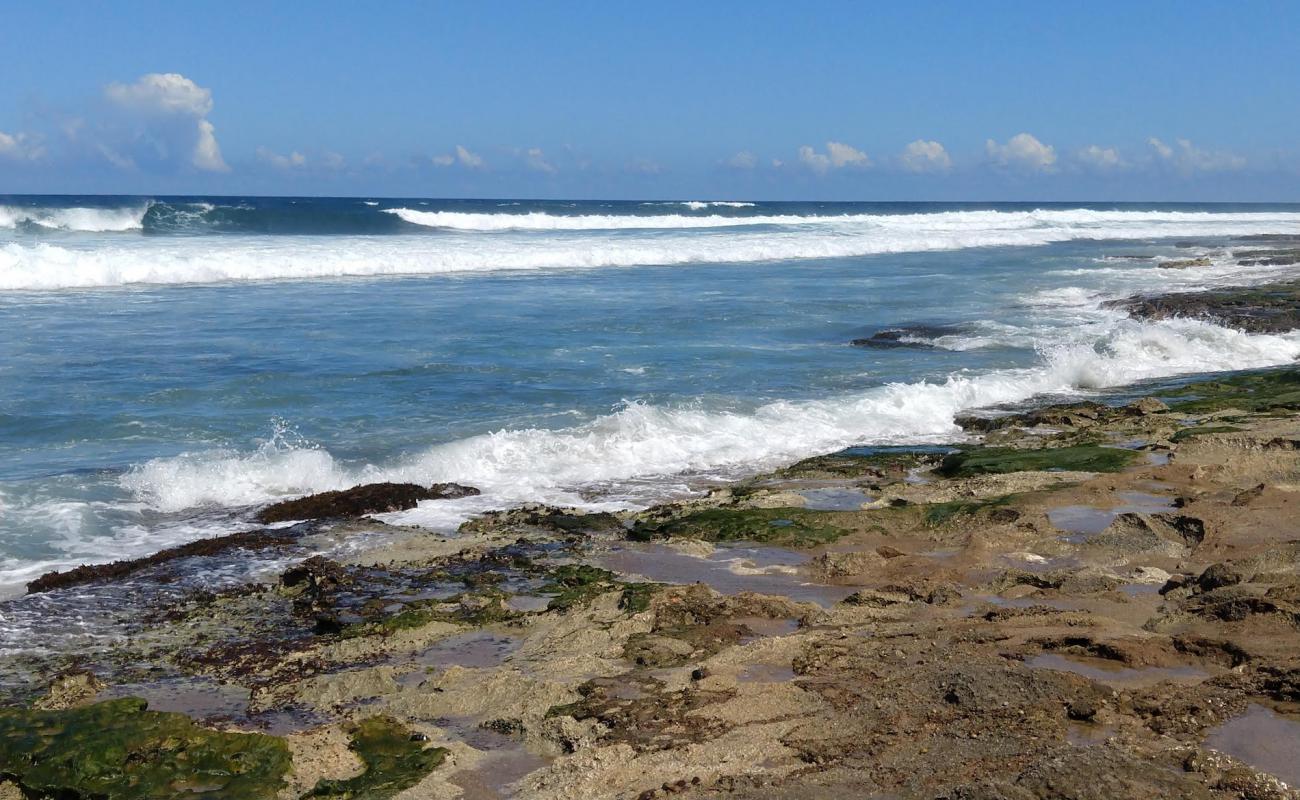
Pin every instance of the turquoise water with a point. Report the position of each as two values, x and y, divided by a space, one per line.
166 365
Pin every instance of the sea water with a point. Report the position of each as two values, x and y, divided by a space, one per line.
169 363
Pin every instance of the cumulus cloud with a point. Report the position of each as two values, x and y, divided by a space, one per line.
20 147
926 156
837 156
166 114
1187 158
1022 151
1097 157
294 160
461 155
468 159
536 160
742 160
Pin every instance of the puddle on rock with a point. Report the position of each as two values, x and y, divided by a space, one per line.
505 760
1083 522
1262 738
764 627
834 499
472 649
766 673
1112 673
729 570
209 701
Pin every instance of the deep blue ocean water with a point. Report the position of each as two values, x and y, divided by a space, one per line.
166 364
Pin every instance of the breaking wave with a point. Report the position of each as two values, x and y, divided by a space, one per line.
627 456
554 242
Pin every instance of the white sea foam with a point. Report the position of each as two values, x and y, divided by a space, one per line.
557 243
626 456
87 220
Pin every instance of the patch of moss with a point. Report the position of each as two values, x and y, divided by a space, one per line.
998 460
575 584
1191 433
469 608
119 750
937 514
795 527
1257 391
864 462
395 760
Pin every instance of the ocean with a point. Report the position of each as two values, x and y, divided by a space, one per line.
167 364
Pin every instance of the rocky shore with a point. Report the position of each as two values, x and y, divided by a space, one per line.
1077 601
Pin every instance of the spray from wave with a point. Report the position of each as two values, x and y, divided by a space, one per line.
627 456
80 219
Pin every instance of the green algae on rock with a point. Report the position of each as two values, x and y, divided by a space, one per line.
119 750
1192 433
998 460
395 758
1273 390
779 526
575 584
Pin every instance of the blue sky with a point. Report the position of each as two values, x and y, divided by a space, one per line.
853 100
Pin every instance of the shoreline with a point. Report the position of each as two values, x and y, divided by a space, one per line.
1085 601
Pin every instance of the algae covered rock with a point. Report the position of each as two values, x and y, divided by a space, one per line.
395 758
997 460
119 750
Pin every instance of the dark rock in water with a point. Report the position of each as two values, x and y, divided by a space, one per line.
370 498
1271 308
1184 263
452 491
907 336
86 573
1269 258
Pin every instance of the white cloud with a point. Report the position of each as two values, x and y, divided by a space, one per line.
926 156
837 156
817 162
742 160
468 159
536 160
20 147
1187 158
842 155
166 93
1022 151
461 155
294 160
170 111
1102 158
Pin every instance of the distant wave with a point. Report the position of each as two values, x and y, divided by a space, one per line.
700 205
84 219
541 221
137 260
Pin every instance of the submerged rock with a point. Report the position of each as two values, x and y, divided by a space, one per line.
1271 308
86 573
369 498
921 336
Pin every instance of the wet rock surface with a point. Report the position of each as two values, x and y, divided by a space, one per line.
370 498
1273 308
876 622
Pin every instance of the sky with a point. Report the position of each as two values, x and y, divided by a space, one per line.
827 100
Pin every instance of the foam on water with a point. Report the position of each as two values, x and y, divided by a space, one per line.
622 453
539 241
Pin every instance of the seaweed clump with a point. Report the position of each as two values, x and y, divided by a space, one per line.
119 750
